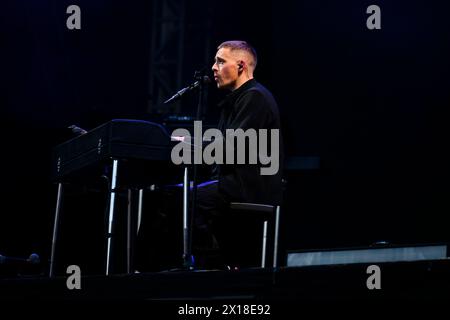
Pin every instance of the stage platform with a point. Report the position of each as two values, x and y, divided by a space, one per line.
415 284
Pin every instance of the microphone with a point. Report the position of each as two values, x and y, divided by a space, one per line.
191 87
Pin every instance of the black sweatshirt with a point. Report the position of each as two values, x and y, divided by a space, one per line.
250 106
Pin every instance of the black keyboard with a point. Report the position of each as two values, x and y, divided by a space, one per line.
121 139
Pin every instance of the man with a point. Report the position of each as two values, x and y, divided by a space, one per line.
249 106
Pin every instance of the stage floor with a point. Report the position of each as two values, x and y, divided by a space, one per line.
288 288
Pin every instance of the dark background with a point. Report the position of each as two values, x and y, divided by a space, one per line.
370 104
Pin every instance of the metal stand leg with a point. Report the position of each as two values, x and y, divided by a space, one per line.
111 214
275 242
133 219
55 228
264 246
129 229
187 256
141 201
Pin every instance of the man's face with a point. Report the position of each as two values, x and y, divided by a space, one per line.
226 69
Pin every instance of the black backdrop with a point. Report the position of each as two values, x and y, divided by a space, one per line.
372 105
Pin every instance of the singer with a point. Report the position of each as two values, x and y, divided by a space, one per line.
248 106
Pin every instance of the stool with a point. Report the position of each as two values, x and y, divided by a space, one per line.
267 213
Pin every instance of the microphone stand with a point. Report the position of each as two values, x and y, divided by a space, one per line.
188 258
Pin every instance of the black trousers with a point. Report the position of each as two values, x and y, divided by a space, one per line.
220 238
235 235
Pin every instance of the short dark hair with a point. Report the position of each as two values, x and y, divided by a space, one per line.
240 45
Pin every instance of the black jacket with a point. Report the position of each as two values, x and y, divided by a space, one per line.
250 106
